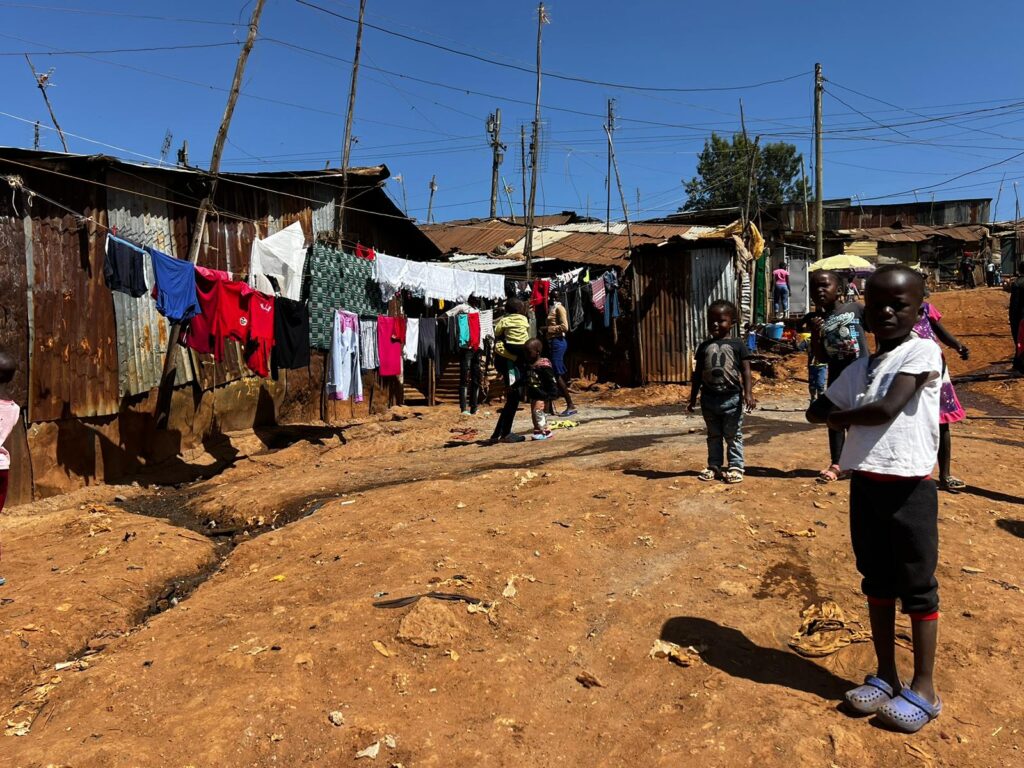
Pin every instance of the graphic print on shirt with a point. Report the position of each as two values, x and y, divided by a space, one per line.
721 367
842 336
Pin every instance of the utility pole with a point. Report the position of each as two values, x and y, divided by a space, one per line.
622 197
803 184
1016 207
819 208
163 402
346 147
430 204
999 194
746 147
609 129
637 211
35 137
497 155
43 82
508 196
542 19
522 161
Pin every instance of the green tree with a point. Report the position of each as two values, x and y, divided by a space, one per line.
723 169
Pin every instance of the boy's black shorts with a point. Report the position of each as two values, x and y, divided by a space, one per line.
895 531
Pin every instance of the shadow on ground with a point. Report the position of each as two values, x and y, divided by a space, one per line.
1014 527
735 654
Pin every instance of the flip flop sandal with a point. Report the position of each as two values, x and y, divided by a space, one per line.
867 698
830 475
908 712
732 476
953 484
707 474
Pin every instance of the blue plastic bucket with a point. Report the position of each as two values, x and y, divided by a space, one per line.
774 330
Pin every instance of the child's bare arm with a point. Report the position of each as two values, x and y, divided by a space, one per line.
694 391
948 338
748 387
884 410
819 410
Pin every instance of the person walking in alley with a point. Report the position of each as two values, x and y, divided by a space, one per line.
558 345
722 380
890 403
780 292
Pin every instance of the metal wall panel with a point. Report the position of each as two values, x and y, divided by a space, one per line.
73 357
675 287
142 332
13 298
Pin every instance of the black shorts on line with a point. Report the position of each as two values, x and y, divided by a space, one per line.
895 532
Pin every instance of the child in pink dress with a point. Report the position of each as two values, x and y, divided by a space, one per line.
929 326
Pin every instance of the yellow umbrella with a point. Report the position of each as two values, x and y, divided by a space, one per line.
843 262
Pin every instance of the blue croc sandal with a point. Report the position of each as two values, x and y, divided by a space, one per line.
867 698
908 712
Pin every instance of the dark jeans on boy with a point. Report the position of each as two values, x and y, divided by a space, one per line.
723 415
469 379
895 533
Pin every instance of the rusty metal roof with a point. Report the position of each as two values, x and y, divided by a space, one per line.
478 236
917 233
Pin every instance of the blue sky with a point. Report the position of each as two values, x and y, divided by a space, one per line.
930 91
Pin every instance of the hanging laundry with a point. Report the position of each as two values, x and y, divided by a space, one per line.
291 334
199 334
434 281
261 333
611 297
574 298
175 286
213 274
412 339
345 378
463 325
362 252
325 279
474 330
599 294
359 291
428 349
486 324
124 270
539 295
280 259
232 315
389 345
368 345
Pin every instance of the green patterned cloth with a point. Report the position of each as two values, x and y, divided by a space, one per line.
338 280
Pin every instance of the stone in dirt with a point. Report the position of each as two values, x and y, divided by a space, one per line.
731 588
337 718
430 624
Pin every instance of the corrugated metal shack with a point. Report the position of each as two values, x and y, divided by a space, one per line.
675 282
91 359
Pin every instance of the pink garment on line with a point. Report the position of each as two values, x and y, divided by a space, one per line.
9 415
599 294
389 345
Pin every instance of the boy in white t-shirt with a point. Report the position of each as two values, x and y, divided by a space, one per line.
9 415
890 403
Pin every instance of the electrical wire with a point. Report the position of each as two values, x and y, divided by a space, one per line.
553 75
97 12
148 49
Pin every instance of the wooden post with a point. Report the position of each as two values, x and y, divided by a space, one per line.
542 19
609 127
346 147
819 207
430 203
497 155
163 402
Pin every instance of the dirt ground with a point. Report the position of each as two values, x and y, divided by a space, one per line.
231 621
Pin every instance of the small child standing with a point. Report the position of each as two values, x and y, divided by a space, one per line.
722 379
541 387
890 403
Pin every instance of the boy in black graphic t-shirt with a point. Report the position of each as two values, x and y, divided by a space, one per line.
722 379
